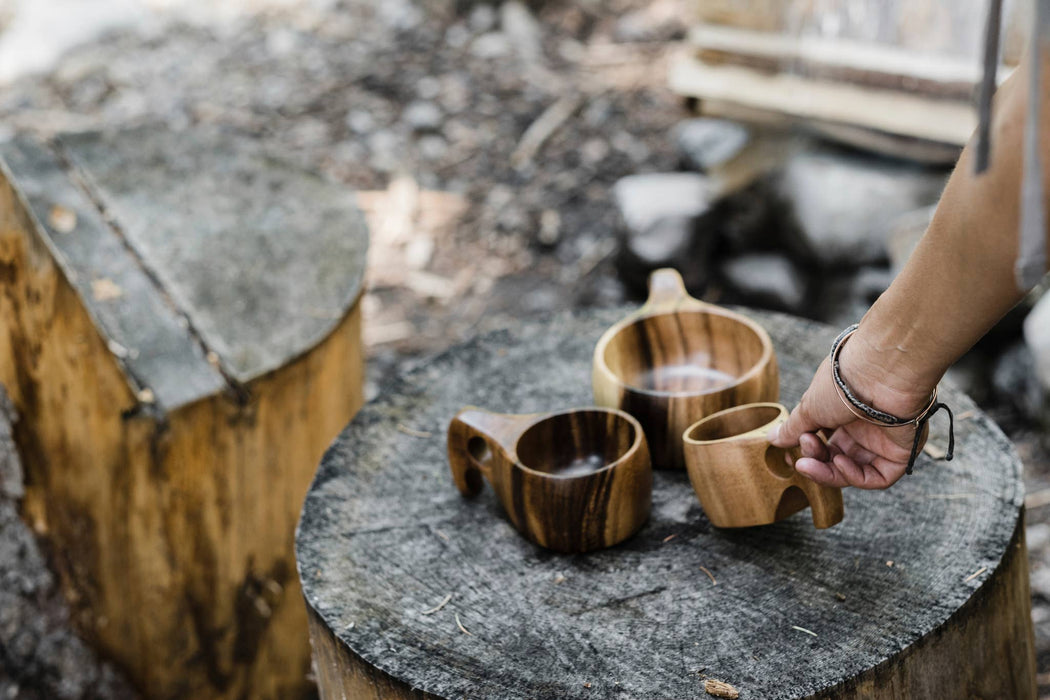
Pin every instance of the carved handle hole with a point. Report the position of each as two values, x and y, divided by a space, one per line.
776 462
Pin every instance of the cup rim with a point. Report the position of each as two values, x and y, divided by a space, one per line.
621 325
782 413
639 435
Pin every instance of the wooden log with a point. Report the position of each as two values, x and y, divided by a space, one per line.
180 333
920 592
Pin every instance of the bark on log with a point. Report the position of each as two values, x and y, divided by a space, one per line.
415 592
180 332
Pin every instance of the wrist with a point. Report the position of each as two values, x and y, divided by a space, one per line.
885 378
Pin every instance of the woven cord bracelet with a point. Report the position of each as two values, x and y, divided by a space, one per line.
887 420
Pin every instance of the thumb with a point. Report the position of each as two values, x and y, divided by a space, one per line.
788 433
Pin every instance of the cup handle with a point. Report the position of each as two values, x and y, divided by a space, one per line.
474 437
667 292
826 504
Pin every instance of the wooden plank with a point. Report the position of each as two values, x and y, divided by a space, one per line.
263 260
888 111
841 60
920 592
145 334
929 26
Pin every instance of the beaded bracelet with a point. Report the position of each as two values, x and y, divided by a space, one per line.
873 415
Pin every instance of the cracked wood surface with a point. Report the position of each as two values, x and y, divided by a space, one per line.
883 605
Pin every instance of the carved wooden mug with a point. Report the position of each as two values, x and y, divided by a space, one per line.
743 480
571 481
678 359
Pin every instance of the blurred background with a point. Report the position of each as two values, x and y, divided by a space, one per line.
517 158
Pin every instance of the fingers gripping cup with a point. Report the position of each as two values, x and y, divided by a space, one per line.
678 359
571 481
743 480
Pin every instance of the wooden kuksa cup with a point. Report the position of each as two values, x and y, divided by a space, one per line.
571 481
743 480
678 359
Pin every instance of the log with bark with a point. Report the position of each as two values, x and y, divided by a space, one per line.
180 333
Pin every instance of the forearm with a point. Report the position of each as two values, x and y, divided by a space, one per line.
960 280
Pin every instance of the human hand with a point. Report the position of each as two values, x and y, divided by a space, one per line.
857 453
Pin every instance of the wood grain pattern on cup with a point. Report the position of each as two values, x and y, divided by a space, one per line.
742 480
571 481
678 359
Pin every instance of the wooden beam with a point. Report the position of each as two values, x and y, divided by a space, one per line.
843 60
893 112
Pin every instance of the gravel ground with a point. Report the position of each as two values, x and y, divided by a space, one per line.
484 139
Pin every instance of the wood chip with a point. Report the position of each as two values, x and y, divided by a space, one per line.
146 395
840 596
720 689
975 574
105 289
890 563
62 219
442 535
1038 499
803 629
443 603
558 578
414 433
586 685
709 575
935 451
461 627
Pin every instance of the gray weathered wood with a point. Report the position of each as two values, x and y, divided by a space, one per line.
145 333
384 536
264 261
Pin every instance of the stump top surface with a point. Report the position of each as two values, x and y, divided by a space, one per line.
385 536
203 241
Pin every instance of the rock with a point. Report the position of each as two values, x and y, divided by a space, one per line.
522 29
399 15
1037 536
905 232
482 18
707 143
360 121
842 201
1014 382
12 479
432 147
385 151
428 87
457 36
660 213
1037 339
422 116
490 45
766 279
645 199
870 282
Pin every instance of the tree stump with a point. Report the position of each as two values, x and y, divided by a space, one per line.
416 592
181 337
